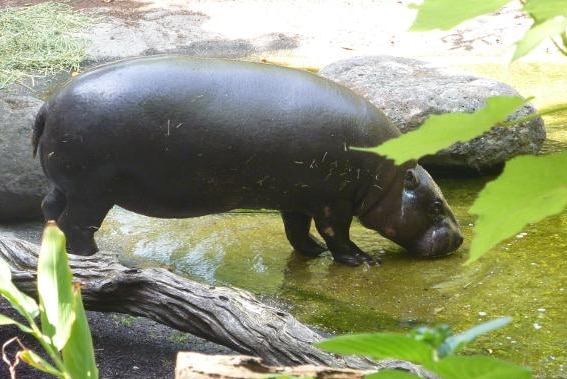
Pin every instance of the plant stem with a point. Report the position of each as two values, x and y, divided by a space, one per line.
51 351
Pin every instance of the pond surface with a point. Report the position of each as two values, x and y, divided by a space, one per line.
525 277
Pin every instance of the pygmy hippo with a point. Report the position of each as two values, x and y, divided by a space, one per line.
174 137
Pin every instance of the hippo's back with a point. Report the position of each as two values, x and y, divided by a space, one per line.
175 127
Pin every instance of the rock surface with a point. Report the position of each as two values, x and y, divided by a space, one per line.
22 183
409 90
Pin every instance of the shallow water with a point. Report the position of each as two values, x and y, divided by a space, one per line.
525 277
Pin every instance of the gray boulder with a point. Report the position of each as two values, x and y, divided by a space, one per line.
409 90
22 183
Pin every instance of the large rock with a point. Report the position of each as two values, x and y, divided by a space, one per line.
409 90
22 183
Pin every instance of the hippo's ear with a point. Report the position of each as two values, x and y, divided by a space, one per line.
410 180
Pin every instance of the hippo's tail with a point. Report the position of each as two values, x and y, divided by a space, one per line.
38 126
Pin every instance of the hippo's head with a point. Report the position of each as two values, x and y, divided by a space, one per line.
414 214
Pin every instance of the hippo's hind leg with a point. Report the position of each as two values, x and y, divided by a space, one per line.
333 223
53 204
79 221
297 226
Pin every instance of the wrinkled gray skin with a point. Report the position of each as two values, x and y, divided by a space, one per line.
181 137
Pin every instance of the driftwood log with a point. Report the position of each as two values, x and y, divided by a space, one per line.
227 316
200 366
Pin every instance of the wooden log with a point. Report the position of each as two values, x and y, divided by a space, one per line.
200 366
228 316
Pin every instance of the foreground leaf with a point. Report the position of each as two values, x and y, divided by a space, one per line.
391 374
8 321
444 14
38 362
78 353
21 302
529 189
379 346
55 287
546 9
478 367
453 343
537 34
441 131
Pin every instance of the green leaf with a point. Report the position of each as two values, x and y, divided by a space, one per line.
380 345
4 320
529 189
38 362
441 131
453 343
55 287
78 353
444 15
538 33
391 374
21 302
477 367
546 9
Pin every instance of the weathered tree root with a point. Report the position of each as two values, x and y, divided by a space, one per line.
228 316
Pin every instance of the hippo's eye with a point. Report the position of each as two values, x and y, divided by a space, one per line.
436 208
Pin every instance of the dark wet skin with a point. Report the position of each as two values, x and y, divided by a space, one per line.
178 137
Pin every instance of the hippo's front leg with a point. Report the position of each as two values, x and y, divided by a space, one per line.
333 223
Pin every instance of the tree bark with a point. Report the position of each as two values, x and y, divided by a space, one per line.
228 316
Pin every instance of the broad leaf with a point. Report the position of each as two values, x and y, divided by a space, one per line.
477 367
21 302
529 189
441 131
391 374
546 9
38 362
78 353
55 287
538 33
453 343
445 14
379 346
8 321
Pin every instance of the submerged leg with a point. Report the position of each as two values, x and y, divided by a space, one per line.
333 223
297 226
53 204
80 220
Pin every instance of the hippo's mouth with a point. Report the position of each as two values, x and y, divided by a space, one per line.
437 244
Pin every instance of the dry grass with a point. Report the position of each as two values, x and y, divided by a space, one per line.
40 40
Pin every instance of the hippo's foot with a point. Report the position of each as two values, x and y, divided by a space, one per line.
309 247
354 257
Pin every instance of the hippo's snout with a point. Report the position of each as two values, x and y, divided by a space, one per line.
439 243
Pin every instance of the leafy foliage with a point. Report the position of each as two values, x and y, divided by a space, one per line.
444 15
440 131
65 333
431 347
475 367
548 19
381 346
530 189
55 293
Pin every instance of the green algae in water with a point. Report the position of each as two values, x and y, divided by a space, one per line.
523 278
